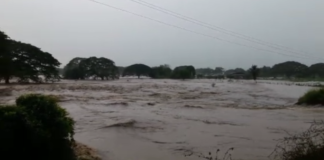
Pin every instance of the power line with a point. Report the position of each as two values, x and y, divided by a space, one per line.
216 28
188 30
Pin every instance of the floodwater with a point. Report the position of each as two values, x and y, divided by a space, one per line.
143 119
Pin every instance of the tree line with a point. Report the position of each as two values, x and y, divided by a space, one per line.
76 69
27 63
289 69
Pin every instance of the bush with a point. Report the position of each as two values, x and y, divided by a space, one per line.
313 97
308 145
44 112
12 131
37 128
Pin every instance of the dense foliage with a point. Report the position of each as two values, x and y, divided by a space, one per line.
290 69
36 128
312 97
26 62
265 71
92 67
219 70
138 70
162 71
205 71
183 72
210 71
316 70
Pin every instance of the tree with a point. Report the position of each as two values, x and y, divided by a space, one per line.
5 57
26 62
72 70
254 71
81 68
115 74
230 71
317 70
219 70
98 67
239 70
290 69
192 71
138 70
265 71
205 71
162 71
183 72
4 40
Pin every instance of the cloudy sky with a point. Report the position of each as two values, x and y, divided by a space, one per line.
82 28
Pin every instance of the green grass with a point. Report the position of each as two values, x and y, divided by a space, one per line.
313 97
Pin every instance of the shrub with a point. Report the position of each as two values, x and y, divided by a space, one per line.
44 112
37 128
308 145
13 132
312 97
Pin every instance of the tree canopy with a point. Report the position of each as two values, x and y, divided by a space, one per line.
4 40
26 62
290 69
81 68
205 71
219 70
317 70
184 72
235 71
72 69
162 71
265 71
209 71
138 70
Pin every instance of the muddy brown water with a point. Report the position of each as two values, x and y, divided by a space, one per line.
179 120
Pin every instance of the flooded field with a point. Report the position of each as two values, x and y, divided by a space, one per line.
142 119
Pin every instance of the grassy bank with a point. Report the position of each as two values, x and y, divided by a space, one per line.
312 97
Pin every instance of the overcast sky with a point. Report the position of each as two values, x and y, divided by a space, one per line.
81 28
